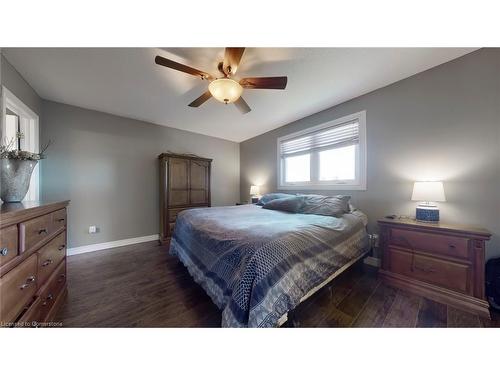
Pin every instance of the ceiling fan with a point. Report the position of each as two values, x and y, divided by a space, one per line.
226 89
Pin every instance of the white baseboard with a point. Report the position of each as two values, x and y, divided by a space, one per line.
111 244
372 261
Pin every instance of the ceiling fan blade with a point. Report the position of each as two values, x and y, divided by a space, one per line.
242 105
201 99
232 57
277 83
182 68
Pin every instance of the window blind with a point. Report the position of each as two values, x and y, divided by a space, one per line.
336 136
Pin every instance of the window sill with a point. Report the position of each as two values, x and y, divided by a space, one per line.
322 187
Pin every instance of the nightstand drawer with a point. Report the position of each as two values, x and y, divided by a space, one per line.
431 243
451 275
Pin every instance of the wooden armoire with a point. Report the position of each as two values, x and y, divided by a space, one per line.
184 183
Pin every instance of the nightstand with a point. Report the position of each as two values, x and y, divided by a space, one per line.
438 261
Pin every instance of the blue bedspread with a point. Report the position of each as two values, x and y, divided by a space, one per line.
257 264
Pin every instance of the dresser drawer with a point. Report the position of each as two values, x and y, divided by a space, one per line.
52 290
172 214
35 231
428 242
32 315
171 228
17 288
49 256
451 275
58 220
8 244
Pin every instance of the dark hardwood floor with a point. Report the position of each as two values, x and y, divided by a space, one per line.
142 286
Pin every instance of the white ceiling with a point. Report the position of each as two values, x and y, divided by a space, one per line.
127 82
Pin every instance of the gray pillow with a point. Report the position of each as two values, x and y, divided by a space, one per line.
292 203
327 206
271 196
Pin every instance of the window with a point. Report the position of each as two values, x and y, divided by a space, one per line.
298 168
330 156
18 119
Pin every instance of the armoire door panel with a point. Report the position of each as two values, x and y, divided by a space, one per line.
198 175
178 174
178 198
198 180
198 197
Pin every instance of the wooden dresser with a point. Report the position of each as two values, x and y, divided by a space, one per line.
32 262
184 183
438 261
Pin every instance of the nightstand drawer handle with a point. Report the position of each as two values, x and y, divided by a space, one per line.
404 241
61 247
4 251
60 220
47 262
452 246
43 230
424 269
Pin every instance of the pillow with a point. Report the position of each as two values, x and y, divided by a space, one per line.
292 203
271 196
327 206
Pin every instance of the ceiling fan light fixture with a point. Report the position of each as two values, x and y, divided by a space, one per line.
225 90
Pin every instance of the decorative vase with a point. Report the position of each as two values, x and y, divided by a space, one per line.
15 176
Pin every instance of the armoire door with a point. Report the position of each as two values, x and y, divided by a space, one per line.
178 184
199 182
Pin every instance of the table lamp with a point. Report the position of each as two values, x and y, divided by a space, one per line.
427 193
254 193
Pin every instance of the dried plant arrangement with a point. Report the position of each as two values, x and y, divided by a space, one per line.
7 150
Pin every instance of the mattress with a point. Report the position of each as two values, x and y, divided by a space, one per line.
258 264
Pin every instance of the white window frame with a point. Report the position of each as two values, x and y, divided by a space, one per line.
315 184
29 123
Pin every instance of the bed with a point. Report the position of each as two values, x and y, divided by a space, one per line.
258 264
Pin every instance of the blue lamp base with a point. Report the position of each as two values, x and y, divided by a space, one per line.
428 214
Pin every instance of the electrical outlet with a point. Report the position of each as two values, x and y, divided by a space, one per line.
92 229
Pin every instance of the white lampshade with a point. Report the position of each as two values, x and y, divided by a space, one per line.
254 190
225 90
428 191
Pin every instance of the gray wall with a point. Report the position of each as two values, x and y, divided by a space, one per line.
108 167
442 124
11 79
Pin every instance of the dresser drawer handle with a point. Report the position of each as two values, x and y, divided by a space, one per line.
49 298
60 220
43 230
61 277
452 246
61 247
47 262
4 251
29 281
